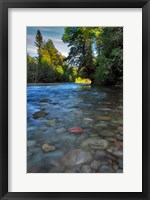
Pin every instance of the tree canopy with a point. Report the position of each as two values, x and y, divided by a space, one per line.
95 53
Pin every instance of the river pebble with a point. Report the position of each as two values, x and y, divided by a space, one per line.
106 169
106 133
86 169
39 114
77 157
119 137
95 143
118 153
48 148
100 154
120 163
31 143
45 101
95 165
60 130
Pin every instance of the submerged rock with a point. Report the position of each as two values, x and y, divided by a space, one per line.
104 118
101 124
48 148
60 130
95 165
120 129
39 114
106 133
119 137
100 154
76 130
120 163
88 120
45 101
119 171
118 144
73 170
52 122
120 121
106 169
95 143
86 169
77 157
31 143
118 153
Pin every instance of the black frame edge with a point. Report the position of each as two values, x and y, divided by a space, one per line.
4 5
4 102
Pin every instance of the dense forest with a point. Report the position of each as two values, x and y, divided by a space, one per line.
96 53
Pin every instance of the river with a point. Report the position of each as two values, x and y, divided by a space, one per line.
74 128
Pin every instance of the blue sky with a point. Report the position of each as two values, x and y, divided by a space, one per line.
53 33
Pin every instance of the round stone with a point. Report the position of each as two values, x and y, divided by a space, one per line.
77 157
48 148
95 143
119 171
111 139
88 120
102 124
106 133
118 153
85 169
106 169
111 157
73 170
45 101
39 114
100 154
76 130
120 129
95 164
119 137
118 144
120 163
50 123
115 167
31 143
60 130
104 118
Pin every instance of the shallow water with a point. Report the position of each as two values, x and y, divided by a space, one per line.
97 148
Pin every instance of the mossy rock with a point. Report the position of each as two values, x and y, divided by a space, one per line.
39 114
45 101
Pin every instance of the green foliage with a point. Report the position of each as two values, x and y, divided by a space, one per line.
32 66
50 65
82 80
95 53
39 44
80 41
109 70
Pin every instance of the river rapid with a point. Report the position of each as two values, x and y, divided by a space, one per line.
74 128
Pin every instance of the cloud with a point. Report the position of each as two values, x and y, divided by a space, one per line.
53 33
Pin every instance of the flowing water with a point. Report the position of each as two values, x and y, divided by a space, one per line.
95 146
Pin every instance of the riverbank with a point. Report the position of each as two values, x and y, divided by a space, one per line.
47 84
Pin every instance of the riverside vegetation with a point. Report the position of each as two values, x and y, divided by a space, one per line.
95 53
76 127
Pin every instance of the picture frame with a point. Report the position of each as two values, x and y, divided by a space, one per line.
4 96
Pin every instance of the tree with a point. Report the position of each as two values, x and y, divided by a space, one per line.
39 44
31 69
109 70
79 40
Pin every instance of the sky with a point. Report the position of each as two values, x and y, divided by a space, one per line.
53 33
